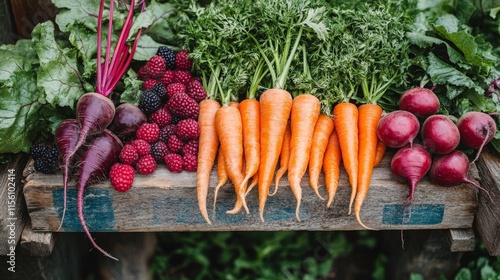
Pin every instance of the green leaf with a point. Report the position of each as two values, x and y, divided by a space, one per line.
132 93
85 41
82 11
18 57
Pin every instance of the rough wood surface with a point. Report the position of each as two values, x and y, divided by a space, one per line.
28 13
165 201
461 240
37 243
13 213
488 214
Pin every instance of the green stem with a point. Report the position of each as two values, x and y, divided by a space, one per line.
280 83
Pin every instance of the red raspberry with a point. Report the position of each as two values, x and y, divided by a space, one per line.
190 162
128 154
182 61
182 105
161 117
195 90
142 147
190 148
182 76
166 131
174 144
173 162
159 150
148 84
121 176
174 88
156 66
148 132
187 129
143 73
146 165
168 77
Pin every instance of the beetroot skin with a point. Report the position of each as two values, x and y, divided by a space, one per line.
398 128
128 118
440 135
421 102
476 130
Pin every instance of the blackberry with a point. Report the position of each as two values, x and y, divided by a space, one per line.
168 55
53 155
160 90
149 102
45 165
176 119
158 151
39 150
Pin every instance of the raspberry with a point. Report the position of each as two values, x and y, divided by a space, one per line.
148 84
166 131
148 132
128 154
159 150
168 55
160 90
174 144
190 162
149 102
182 105
182 61
168 77
196 91
143 73
142 147
174 88
173 162
156 66
182 76
190 148
146 165
187 129
121 176
39 151
161 117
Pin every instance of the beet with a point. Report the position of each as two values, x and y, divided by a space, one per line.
97 159
476 130
128 118
66 136
440 134
398 128
421 102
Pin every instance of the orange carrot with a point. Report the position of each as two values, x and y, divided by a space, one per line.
345 115
369 115
275 107
322 130
331 166
255 180
250 118
305 113
229 129
380 152
221 175
284 158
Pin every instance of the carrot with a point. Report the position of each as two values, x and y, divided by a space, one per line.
221 175
284 157
207 149
369 115
379 153
250 118
275 108
345 115
255 180
305 113
322 131
331 166
229 129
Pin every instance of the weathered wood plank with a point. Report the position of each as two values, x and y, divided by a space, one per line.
165 201
488 213
461 240
37 243
28 13
13 213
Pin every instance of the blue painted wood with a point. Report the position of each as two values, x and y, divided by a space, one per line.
97 209
418 214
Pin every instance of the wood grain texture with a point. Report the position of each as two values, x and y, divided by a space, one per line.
28 13
488 214
37 243
166 201
13 213
461 240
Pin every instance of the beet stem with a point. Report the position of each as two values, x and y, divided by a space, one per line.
479 151
467 180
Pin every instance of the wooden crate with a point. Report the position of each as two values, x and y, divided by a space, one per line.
165 201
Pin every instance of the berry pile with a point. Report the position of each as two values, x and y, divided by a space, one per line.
46 158
170 100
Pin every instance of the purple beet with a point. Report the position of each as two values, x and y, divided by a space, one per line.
476 130
440 134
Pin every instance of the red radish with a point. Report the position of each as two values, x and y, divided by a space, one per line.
411 163
476 130
440 134
398 128
66 138
451 169
421 102
96 161
128 118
